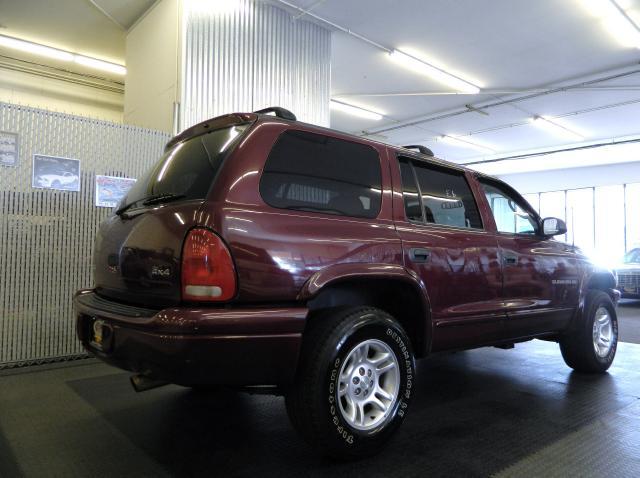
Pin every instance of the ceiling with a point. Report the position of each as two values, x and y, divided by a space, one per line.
516 50
95 28
504 46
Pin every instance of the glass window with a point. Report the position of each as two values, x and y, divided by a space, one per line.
509 215
187 169
609 224
553 204
313 172
580 219
632 192
412 205
445 195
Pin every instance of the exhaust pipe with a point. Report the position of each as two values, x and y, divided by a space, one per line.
142 383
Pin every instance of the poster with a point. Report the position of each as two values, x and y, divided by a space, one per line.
8 148
110 190
50 172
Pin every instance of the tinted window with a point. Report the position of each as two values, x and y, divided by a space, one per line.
187 169
510 216
412 205
312 172
445 196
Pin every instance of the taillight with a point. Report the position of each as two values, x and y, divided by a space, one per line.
208 273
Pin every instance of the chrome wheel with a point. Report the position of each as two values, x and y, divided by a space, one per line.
368 384
602 332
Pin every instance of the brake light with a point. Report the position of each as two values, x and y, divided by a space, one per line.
208 273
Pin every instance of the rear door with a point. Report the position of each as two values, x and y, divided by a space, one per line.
445 244
540 274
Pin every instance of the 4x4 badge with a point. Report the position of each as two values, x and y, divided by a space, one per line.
160 271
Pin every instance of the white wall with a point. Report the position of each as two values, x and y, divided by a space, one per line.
152 59
57 95
574 178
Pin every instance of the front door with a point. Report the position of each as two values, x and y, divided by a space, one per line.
446 246
540 275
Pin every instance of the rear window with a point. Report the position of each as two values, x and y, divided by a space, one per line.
189 168
313 172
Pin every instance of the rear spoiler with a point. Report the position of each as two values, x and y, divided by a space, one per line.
224 121
227 120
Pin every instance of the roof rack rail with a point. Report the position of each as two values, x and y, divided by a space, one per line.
419 147
279 112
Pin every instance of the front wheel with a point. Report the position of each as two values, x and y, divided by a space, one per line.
354 383
592 346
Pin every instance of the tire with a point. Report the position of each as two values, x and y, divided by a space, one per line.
349 342
579 348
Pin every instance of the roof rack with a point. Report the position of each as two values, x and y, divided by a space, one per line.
279 112
419 147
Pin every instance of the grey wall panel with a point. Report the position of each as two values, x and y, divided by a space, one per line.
253 56
46 236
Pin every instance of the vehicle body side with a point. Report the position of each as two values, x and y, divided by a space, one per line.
291 265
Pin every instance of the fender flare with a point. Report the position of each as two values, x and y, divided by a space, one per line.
338 273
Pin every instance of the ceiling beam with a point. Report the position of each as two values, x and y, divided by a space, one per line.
107 14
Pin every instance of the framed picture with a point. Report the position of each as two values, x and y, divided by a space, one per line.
110 190
51 172
8 148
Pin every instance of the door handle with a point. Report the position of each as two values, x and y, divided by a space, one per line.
509 260
418 254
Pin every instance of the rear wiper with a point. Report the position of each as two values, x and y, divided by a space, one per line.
160 198
157 199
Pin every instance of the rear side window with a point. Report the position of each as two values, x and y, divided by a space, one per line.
313 172
189 168
443 196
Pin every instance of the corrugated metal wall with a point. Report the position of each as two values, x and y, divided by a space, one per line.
249 56
46 236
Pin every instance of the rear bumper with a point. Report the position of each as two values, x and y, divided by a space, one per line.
195 346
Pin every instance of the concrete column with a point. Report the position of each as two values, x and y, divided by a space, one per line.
230 55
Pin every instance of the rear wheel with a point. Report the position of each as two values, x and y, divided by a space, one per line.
592 346
354 382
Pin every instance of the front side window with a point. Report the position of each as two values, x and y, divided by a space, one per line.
312 172
441 196
509 215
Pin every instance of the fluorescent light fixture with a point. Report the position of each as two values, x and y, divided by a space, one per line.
354 110
56 54
555 128
617 20
35 48
463 143
100 64
414 64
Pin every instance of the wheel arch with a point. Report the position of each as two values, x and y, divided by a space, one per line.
391 288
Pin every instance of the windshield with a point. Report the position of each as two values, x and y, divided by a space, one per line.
632 257
188 169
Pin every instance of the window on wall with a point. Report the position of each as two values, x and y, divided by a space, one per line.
510 216
312 172
609 223
632 201
580 220
441 196
533 200
552 204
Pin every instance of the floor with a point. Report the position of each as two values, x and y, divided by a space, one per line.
486 412
629 320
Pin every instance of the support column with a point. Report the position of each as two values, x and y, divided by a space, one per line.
243 55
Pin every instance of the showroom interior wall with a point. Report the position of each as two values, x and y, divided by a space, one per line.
253 56
47 235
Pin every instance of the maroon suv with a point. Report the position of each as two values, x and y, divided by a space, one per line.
263 253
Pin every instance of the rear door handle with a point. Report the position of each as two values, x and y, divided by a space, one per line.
509 260
418 254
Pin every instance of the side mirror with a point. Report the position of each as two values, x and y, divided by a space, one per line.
552 226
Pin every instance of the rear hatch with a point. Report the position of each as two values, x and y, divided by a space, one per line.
138 249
